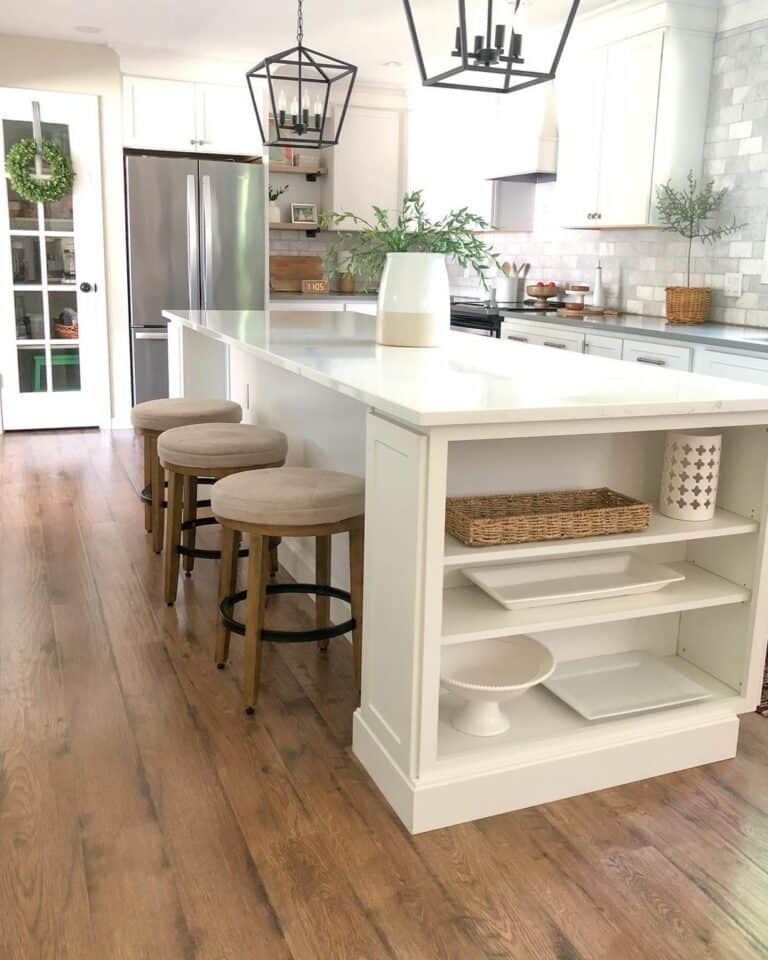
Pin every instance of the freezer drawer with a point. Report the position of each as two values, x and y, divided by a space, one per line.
150 365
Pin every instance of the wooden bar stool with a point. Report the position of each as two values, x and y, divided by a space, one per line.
150 419
290 502
212 450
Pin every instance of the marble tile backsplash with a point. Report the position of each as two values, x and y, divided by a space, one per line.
637 265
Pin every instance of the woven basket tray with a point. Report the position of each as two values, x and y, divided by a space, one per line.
688 304
559 515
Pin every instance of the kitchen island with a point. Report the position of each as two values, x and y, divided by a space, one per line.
478 416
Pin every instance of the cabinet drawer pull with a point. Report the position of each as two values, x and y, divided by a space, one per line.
519 339
654 360
554 343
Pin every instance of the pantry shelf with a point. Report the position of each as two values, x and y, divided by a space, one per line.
661 530
469 614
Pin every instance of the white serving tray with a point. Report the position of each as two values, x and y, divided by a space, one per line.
541 583
622 683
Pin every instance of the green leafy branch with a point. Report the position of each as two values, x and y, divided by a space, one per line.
367 243
690 212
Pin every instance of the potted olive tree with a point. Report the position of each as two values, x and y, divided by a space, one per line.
409 253
690 213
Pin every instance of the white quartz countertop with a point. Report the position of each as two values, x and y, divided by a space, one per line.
470 380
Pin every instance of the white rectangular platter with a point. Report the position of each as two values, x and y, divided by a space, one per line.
565 580
622 683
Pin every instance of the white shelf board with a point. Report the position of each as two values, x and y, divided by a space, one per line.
660 530
541 724
470 614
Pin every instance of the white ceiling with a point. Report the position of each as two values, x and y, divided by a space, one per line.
366 32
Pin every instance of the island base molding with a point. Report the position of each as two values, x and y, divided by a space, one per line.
436 803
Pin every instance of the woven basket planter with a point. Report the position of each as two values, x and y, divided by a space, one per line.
688 304
559 515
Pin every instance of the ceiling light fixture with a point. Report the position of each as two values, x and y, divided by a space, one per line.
492 62
299 85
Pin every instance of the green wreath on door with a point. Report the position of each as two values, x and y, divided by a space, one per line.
19 165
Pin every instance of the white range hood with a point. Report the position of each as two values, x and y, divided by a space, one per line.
525 145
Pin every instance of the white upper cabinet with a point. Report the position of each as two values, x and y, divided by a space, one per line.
159 114
631 115
633 68
365 165
189 117
226 121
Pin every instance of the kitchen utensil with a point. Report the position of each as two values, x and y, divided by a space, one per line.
622 683
569 579
488 673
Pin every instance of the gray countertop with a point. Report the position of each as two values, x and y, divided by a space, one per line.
710 334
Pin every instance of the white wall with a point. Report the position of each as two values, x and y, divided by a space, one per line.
65 67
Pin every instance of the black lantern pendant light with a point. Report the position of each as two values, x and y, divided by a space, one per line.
299 85
491 52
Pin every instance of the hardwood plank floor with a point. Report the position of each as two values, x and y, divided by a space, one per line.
142 815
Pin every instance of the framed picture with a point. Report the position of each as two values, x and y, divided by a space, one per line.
303 213
279 154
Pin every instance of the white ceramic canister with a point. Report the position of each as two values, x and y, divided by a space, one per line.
414 307
690 475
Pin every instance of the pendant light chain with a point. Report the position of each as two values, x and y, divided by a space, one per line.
300 23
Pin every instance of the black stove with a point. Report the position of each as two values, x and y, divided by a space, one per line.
484 316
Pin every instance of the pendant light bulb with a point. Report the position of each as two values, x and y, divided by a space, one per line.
294 107
282 101
305 101
318 107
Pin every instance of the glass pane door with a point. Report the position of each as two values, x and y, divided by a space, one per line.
44 277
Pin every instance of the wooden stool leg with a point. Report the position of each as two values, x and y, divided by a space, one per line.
274 563
147 481
158 495
230 544
258 569
323 578
173 535
356 590
189 537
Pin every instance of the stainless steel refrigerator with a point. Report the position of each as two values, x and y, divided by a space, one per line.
196 240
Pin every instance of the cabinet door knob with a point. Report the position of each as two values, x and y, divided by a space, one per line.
86 287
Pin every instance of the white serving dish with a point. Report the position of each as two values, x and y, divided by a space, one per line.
622 683
488 673
541 583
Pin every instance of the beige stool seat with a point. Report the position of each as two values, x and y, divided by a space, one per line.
207 451
159 415
151 418
290 496
289 502
213 446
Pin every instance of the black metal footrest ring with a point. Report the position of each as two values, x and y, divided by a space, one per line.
201 553
227 607
146 494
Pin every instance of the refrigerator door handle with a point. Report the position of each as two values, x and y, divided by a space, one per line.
150 336
207 263
192 247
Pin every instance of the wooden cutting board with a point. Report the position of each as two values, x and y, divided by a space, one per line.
286 272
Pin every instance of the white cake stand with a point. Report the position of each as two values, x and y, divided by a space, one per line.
487 673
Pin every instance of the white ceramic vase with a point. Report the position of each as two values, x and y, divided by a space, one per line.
690 475
414 301
274 213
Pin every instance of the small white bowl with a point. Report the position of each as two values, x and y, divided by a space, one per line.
487 673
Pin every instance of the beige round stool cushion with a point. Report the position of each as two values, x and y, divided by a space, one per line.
166 414
208 445
288 496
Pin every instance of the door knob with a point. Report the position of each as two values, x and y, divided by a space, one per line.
86 287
